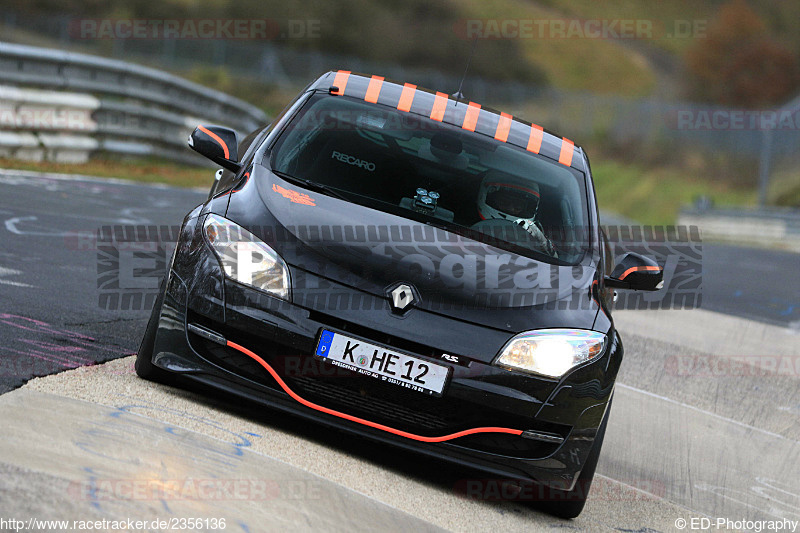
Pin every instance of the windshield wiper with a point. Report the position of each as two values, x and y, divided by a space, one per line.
309 184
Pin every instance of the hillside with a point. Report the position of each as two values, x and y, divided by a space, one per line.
565 44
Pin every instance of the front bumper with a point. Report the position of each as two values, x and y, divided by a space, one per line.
266 355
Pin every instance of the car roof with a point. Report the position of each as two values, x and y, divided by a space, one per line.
439 106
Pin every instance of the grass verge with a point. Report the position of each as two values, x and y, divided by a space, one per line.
656 195
148 171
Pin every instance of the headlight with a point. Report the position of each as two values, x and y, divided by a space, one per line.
551 352
245 258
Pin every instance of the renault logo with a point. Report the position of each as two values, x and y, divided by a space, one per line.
402 297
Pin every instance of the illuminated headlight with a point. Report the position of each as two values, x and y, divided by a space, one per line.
245 258
551 352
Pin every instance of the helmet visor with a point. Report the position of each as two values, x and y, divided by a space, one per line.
514 201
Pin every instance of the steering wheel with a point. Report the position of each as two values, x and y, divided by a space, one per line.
532 237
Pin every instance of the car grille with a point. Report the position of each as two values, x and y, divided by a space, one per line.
357 401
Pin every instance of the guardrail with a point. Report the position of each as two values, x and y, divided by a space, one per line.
765 227
64 106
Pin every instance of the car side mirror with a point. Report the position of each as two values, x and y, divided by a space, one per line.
636 272
218 144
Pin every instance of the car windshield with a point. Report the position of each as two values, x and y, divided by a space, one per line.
429 171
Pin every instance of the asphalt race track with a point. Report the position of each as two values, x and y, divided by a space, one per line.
704 424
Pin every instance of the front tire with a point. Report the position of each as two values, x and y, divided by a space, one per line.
569 504
144 366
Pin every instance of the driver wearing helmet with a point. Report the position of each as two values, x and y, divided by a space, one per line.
507 197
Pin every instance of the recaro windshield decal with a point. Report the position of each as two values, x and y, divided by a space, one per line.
353 160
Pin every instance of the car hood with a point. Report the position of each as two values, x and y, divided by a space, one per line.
373 251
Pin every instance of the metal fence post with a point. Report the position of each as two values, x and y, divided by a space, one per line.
764 166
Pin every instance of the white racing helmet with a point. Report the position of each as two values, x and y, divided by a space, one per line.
508 197
516 199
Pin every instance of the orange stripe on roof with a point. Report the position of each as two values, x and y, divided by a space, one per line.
567 149
503 127
406 97
439 105
535 140
471 118
374 89
340 81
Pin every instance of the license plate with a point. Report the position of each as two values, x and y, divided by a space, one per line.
382 363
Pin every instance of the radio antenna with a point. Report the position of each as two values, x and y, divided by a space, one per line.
458 95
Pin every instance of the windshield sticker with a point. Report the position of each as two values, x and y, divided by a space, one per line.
370 122
293 196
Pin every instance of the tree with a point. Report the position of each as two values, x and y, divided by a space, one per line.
737 63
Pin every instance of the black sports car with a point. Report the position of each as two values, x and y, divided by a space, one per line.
411 267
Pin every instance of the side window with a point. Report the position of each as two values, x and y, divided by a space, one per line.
608 255
603 293
247 145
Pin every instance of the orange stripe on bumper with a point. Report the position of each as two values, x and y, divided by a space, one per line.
340 81
406 97
535 140
374 89
439 105
351 418
503 127
567 149
471 118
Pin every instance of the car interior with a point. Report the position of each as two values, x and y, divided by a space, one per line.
433 169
